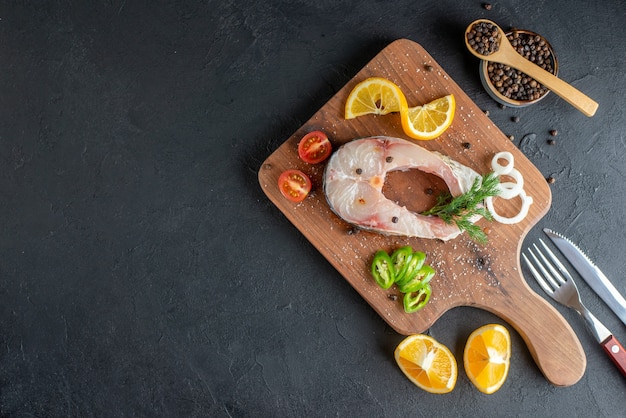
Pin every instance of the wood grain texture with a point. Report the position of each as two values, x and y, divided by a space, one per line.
468 274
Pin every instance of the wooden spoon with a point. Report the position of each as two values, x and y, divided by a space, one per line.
507 55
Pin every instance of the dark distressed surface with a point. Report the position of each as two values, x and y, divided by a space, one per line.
144 273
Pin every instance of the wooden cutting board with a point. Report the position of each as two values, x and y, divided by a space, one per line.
468 274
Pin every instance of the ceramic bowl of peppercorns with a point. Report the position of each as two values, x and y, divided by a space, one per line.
511 87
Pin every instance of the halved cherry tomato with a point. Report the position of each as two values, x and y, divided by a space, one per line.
294 185
314 147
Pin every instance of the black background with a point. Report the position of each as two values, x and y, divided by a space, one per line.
143 272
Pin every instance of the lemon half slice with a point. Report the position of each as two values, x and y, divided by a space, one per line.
430 120
375 95
486 357
427 363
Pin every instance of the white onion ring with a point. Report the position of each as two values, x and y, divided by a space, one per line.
526 202
508 190
499 169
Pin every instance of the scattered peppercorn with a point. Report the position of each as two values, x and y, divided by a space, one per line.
551 142
486 113
429 191
393 297
487 6
389 159
554 132
515 119
467 145
394 219
551 180
359 171
484 38
501 106
511 137
428 67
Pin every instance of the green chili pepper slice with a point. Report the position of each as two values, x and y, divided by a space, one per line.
383 270
420 278
400 259
413 265
414 301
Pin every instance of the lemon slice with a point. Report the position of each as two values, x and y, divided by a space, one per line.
430 120
486 357
427 363
375 95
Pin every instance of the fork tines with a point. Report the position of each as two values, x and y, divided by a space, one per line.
550 279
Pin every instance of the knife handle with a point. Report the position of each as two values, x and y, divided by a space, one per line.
617 353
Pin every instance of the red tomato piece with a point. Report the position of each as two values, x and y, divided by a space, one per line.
294 185
314 147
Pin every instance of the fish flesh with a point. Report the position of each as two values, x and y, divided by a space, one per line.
354 179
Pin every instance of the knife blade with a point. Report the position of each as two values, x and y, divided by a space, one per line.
590 273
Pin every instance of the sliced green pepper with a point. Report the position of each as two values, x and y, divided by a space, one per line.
420 278
414 301
413 265
400 259
383 270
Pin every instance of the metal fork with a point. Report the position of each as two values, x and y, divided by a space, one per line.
559 284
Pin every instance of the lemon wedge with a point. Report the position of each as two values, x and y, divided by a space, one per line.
427 363
486 357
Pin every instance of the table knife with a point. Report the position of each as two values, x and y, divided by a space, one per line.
590 273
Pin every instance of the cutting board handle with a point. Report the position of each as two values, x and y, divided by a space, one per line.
556 350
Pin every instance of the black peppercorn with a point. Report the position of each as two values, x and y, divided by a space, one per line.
487 6
551 142
389 159
551 180
484 38
359 171
428 67
394 219
515 119
554 132
467 145
514 84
